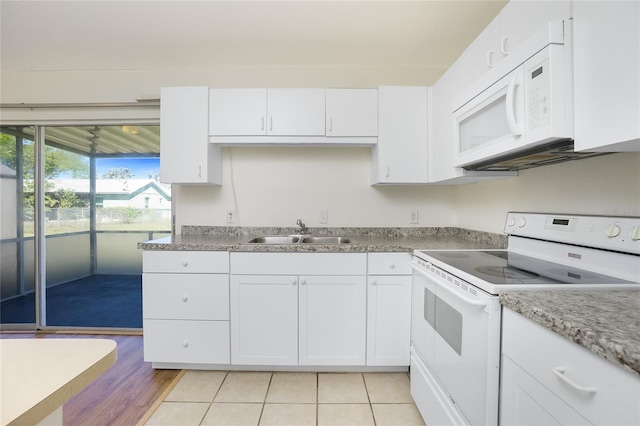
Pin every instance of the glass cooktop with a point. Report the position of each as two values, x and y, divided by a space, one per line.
504 267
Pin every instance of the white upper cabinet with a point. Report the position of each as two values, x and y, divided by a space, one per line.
352 112
400 155
237 112
296 112
606 70
267 112
520 19
185 154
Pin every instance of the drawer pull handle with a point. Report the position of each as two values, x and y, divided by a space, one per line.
185 298
185 343
185 263
559 372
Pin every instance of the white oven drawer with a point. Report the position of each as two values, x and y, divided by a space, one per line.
434 404
609 394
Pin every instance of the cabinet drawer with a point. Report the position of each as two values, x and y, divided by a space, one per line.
389 264
185 262
188 296
198 342
617 391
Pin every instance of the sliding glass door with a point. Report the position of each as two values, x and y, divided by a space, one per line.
69 242
17 279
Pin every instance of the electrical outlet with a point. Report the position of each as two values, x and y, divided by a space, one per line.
231 217
324 217
413 217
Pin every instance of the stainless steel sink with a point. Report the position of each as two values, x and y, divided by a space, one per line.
274 240
293 239
326 240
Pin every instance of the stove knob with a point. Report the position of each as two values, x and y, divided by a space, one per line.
522 222
512 221
612 231
635 233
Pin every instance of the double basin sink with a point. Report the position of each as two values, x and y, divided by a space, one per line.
299 239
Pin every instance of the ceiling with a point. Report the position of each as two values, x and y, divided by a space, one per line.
99 141
150 34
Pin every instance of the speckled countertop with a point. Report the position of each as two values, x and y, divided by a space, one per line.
223 238
605 322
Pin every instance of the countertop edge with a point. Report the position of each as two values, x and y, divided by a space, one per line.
598 336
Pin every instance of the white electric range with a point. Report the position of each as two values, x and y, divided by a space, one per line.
456 313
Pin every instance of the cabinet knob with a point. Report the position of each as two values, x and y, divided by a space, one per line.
185 298
374 282
392 265
185 263
303 282
294 281
185 343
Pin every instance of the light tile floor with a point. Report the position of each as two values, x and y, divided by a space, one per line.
286 398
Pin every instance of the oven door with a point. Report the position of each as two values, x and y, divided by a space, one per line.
456 333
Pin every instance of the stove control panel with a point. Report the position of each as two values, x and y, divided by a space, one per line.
606 232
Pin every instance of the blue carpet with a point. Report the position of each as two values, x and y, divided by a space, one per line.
95 301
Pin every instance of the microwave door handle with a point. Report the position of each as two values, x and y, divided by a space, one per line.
514 127
468 300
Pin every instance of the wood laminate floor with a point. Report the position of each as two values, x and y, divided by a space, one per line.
122 395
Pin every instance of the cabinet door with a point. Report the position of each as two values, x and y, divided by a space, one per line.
332 320
296 112
519 20
352 112
606 69
264 320
186 156
388 320
401 153
237 112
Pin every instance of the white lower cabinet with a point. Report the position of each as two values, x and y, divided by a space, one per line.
185 304
313 319
332 315
388 309
264 319
567 385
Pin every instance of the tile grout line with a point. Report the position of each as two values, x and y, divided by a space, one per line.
226 374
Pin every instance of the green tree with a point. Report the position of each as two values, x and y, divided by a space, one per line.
56 161
118 173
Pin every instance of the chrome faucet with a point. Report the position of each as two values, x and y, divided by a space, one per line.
302 228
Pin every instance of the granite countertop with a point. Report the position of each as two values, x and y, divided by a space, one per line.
605 322
224 238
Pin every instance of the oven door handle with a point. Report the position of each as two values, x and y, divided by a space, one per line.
473 302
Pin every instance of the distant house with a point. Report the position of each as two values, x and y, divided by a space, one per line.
136 193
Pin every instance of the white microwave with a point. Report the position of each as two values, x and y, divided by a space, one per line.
524 102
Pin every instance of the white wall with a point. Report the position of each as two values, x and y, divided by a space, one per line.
277 186
607 185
